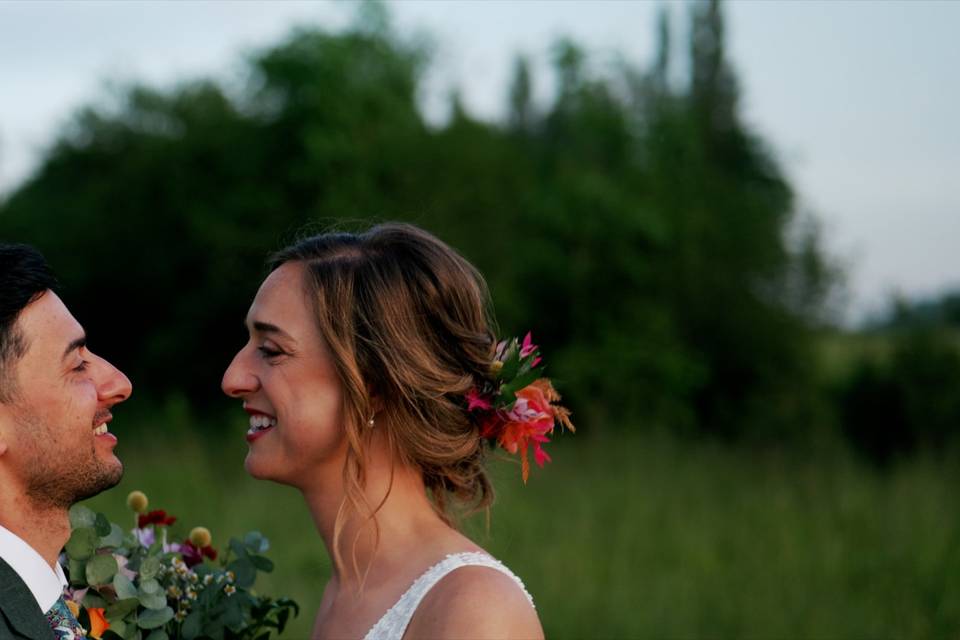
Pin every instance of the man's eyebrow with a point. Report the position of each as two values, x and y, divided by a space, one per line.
266 327
75 344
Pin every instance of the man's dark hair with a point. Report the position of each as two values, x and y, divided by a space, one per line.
24 277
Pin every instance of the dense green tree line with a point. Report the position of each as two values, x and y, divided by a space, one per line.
643 231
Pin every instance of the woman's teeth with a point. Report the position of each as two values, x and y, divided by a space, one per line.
260 422
102 429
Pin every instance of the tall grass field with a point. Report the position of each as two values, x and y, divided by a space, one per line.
633 536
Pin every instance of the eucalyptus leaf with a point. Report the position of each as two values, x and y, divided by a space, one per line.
117 630
245 572
155 618
101 569
151 595
93 600
256 542
158 634
78 573
132 632
114 538
233 615
214 628
262 563
120 610
82 543
238 548
149 568
150 585
81 516
102 525
192 626
124 586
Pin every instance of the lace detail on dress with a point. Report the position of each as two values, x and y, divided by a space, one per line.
394 622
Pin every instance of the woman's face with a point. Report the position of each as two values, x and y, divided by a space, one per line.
289 386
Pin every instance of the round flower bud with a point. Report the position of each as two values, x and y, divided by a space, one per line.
137 501
200 537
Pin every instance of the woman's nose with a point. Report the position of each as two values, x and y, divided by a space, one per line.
238 380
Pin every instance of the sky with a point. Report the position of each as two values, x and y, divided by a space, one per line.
858 100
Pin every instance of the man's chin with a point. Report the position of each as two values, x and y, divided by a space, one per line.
108 478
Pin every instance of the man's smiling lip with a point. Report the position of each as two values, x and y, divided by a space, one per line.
100 419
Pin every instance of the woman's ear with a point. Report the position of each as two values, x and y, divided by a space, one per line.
376 403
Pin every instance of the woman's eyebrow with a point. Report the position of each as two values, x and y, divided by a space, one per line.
266 327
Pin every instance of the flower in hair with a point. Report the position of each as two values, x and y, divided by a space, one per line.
517 408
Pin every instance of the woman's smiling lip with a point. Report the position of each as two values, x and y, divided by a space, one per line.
257 412
254 433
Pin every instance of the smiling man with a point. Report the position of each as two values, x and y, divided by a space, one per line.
55 445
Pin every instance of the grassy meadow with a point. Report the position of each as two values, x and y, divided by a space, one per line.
635 537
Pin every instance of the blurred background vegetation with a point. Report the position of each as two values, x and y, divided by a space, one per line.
743 466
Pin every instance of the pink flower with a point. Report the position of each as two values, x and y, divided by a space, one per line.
122 566
527 347
476 401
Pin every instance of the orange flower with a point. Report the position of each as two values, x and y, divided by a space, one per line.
528 423
98 623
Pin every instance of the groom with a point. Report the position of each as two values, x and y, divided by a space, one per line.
55 444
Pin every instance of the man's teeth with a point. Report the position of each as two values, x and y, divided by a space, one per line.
102 429
260 422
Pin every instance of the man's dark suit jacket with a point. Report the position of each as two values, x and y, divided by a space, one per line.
20 617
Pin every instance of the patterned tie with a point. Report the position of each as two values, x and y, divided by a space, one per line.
64 625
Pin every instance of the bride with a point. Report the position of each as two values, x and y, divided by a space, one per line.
371 381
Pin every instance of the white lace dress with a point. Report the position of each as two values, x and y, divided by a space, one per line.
394 622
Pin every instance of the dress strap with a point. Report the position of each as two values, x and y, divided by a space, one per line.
394 622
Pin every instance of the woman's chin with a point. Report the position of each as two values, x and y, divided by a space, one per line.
260 469
255 467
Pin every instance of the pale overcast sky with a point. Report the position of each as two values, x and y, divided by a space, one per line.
858 99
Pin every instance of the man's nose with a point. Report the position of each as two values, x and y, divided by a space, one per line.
115 387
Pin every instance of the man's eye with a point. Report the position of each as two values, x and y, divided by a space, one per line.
81 367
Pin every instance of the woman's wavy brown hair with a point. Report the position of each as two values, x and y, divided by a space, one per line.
409 322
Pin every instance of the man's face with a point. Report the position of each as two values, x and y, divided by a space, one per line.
53 431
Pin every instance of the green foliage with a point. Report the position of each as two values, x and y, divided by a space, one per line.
641 231
155 594
906 400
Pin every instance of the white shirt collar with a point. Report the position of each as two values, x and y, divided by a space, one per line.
45 584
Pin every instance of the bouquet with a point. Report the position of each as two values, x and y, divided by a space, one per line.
139 585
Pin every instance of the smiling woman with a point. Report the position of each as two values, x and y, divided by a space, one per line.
363 352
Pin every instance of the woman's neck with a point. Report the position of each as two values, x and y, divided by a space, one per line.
404 519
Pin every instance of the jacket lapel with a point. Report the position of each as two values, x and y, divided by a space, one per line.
19 607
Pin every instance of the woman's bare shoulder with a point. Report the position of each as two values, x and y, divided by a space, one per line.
475 602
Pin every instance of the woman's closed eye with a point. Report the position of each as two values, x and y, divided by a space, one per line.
269 352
